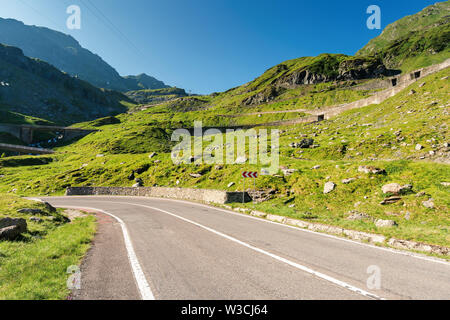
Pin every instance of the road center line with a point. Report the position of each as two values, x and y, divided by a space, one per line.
291 263
142 284
390 250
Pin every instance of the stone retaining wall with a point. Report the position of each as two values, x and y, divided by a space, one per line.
204 195
403 82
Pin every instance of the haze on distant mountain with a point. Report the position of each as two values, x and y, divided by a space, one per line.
35 88
66 54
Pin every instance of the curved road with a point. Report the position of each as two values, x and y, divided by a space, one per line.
184 250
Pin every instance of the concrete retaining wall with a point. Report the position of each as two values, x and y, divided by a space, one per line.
204 195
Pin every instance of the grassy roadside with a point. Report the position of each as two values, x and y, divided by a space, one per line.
34 266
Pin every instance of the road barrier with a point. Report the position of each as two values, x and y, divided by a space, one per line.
204 195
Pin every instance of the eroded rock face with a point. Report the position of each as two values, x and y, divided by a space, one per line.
335 70
264 96
11 228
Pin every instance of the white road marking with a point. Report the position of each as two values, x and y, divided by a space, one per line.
139 276
291 263
405 253
391 250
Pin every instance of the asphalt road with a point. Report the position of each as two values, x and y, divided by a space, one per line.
182 250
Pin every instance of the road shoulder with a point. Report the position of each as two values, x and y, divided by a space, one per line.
105 271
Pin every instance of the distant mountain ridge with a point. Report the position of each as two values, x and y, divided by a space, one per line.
35 88
66 54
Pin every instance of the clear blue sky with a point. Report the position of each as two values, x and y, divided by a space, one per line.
212 45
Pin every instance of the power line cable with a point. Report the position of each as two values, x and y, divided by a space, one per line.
105 20
40 13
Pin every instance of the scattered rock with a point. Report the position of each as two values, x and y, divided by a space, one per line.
316 167
354 215
418 147
151 155
195 175
230 184
304 144
412 92
370 169
445 184
131 176
49 207
261 195
428 204
349 180
408 216
329 186
288 172
73 214
391 200
11 228
100 155
412 245
142 169
139 183
385 223
218 167
31 211
395 188
420 194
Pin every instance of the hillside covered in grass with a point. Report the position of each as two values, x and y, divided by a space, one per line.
403 140
415 41
34 265
383 136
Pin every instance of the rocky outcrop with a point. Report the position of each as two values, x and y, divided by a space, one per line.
264 96
11 228
335 68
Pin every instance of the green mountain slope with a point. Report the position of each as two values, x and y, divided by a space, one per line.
384 136
156 96
35 88
66 54
305 82
415 41
143 82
